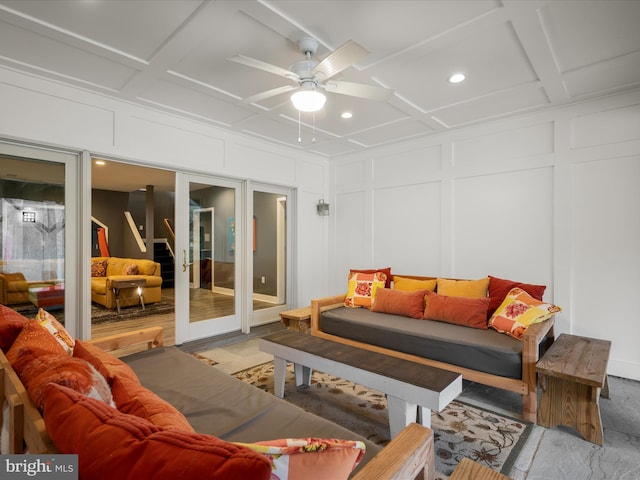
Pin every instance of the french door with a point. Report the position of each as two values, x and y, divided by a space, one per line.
209 241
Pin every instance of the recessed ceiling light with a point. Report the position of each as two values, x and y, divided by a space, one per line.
346 114
100 162
457 78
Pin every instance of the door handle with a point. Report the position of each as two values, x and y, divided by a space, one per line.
185 265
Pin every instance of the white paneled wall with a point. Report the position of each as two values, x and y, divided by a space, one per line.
550 198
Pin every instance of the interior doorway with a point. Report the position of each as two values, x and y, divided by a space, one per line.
132 209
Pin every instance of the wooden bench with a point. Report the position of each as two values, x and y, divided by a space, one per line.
298 320
573 376
467 469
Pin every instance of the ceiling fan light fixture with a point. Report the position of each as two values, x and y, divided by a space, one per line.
308 100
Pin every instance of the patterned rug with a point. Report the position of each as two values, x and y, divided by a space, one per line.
100 314
460 430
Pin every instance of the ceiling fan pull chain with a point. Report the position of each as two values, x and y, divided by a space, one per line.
299 136
313 136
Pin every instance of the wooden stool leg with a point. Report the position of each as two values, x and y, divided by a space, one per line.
572 405
588 421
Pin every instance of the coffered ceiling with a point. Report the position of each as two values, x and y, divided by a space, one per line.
173 55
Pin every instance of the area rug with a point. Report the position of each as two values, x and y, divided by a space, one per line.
100 314
460 430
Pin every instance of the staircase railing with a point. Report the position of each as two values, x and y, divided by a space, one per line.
135 232
167 224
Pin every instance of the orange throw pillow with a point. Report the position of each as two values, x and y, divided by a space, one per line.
399 302
109 366
34 339
131 397
468 312
11 323
111 444
75 373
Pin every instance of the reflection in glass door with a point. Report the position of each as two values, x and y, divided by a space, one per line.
34 231
207 242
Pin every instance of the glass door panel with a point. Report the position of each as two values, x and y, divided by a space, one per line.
270 252
206 299
32 231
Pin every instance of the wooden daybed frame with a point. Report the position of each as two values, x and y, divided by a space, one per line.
538 337
409 455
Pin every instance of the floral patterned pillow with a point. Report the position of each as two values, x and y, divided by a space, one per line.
518 311
310 458
98 268
362 289
55 328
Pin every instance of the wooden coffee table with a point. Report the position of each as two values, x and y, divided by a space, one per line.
412 389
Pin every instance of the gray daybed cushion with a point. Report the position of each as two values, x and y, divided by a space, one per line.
216 403
484 350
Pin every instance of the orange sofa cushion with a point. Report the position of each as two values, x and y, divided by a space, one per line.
399 302
131 397
11 323
109 366
468 312
111 444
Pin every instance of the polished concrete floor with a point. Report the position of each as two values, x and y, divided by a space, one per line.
550 454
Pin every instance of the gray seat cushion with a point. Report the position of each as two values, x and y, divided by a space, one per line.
216 403
483 350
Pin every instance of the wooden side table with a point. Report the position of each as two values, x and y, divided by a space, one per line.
298 320
573 376
467 469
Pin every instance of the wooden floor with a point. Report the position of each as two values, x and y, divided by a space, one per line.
204 304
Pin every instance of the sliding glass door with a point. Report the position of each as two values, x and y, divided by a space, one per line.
209 239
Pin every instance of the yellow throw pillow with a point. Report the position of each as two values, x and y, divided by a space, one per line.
518 311
362 289
463 288
413 284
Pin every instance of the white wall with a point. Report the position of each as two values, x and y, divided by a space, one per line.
47 113
551 198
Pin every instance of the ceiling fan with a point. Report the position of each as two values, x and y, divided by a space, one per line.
310 74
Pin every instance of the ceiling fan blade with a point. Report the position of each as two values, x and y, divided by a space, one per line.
267 67
370 92
266 94
341 58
